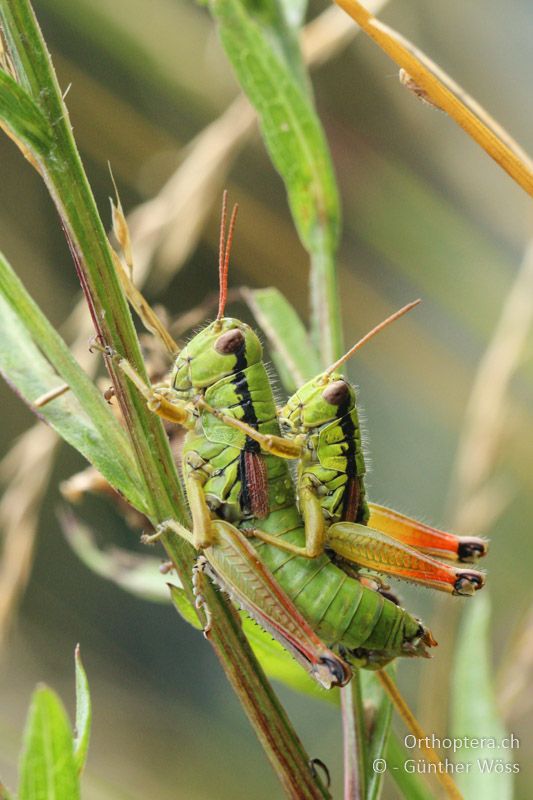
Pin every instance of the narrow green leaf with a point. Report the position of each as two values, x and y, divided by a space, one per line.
409 783
295 358
140 576
295 141
280 23
21 117
47 767
281 666
83 714
274 659
34 360
475 712
355 740
381 717
292 132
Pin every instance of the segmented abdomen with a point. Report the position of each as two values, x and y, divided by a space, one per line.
341 610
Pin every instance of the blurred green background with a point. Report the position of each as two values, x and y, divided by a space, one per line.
426 213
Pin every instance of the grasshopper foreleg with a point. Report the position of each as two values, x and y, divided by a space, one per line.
270 443
160 398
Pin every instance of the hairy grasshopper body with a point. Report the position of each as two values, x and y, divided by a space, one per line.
332 461
322 431
272 556
323 413
226 473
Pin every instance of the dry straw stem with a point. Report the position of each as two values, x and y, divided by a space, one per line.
354 740
504 353
443 92
477 498
514 679
170 224
26 469
415 728
486 413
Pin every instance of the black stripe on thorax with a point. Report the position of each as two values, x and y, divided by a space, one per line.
351 497
242 390
348 430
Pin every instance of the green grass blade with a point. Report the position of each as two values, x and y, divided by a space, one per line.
295 141
47 767
21 118
83 714
280 23
380 731
34 360
474 710
181 603
294 357
408 783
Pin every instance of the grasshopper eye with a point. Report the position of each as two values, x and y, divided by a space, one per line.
336 393
230 342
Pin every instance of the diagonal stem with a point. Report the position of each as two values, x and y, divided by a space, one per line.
354 740
65 178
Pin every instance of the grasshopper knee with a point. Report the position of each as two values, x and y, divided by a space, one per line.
468 583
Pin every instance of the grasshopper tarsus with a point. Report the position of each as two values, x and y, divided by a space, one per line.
109 394
471 548
317 762
200 602
468 583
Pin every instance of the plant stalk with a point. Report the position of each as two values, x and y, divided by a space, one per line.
67 183
354 740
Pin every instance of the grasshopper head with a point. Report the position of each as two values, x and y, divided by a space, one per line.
224 347
319 401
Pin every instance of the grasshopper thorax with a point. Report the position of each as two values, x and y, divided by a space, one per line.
319 401
223 348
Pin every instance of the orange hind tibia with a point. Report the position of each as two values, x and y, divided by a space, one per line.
425 538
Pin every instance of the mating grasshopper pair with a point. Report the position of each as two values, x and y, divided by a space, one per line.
302 578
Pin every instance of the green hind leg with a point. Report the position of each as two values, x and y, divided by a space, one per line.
232 563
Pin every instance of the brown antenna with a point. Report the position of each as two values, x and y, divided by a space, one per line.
370 335
224 251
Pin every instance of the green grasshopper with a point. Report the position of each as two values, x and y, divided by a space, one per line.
322 431
219 384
